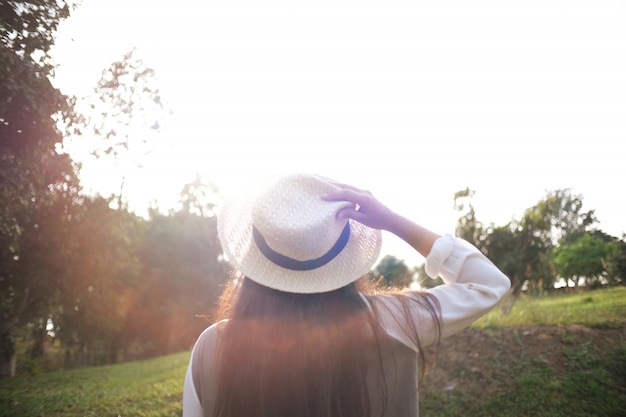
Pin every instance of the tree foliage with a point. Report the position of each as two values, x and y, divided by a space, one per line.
559 216
394 272
200 197
27 27
127 106
112 284
136 286
545 244
617 268
422 278
120 124
183 278
97 294
38 183
468 227
585 259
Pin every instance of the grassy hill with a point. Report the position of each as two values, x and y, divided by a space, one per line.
562 355
150 388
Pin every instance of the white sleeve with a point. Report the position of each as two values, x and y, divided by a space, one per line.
473 286
191 401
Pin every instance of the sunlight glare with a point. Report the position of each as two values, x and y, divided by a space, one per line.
413 100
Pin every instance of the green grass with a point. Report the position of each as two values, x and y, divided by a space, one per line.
594 384
150 388
600 308
589 378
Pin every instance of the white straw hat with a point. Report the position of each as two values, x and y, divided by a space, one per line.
285 236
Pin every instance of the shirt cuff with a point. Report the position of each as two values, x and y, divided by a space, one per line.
442 248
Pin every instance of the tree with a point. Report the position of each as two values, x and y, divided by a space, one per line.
38 182
137 287
125 115
394 272
617 268
503 247
523 248
615 262
27 27
200 197
468 227
101 284
423 280
183 270
557 217
585 258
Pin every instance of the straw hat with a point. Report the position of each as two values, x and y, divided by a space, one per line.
284 236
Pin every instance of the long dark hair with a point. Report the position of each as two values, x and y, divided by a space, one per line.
307 355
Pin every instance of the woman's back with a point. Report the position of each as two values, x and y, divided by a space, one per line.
388 370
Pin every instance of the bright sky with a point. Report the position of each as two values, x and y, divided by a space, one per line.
413 100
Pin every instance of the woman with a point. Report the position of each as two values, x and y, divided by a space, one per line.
299 335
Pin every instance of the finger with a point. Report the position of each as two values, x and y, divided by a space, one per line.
346 186
336 195
344 194
350 213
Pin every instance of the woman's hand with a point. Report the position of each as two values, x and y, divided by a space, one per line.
368 210
365 207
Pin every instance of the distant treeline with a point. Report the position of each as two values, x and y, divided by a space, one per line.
104 285
555 244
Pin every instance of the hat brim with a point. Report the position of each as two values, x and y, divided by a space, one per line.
235 233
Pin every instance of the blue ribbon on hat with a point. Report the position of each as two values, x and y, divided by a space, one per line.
295 264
